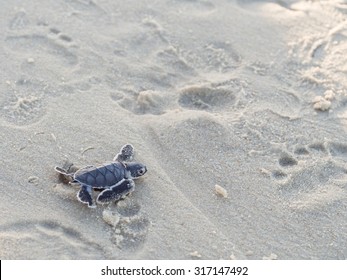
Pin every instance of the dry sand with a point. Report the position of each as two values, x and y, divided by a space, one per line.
247 95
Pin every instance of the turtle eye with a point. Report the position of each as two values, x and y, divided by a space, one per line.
141 171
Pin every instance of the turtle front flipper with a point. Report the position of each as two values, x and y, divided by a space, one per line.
85 196
116 192
126 153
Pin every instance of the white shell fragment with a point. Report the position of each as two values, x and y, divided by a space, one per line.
221 191
195 254
271 257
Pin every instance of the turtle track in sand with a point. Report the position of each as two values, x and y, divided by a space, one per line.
31 239
129 224
177 184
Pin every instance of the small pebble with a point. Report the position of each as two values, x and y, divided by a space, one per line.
221 191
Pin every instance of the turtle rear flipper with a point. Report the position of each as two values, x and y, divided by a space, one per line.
116 192
61 171
65 177
85 196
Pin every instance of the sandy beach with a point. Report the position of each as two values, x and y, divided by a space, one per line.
236 107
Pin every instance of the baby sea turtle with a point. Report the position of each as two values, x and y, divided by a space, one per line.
114 179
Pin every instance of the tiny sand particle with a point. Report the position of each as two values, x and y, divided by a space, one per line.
30 60
221 191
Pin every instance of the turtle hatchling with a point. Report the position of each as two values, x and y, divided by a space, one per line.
115 180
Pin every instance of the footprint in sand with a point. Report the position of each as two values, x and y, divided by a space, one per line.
141 102
312 176
36 44
51 42
209 97
61 36
35 239
220 57
19 21
321 56
86 8
174 62
24 102
194 7
130 226
317 47
254 4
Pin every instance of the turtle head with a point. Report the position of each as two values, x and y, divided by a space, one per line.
136 169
